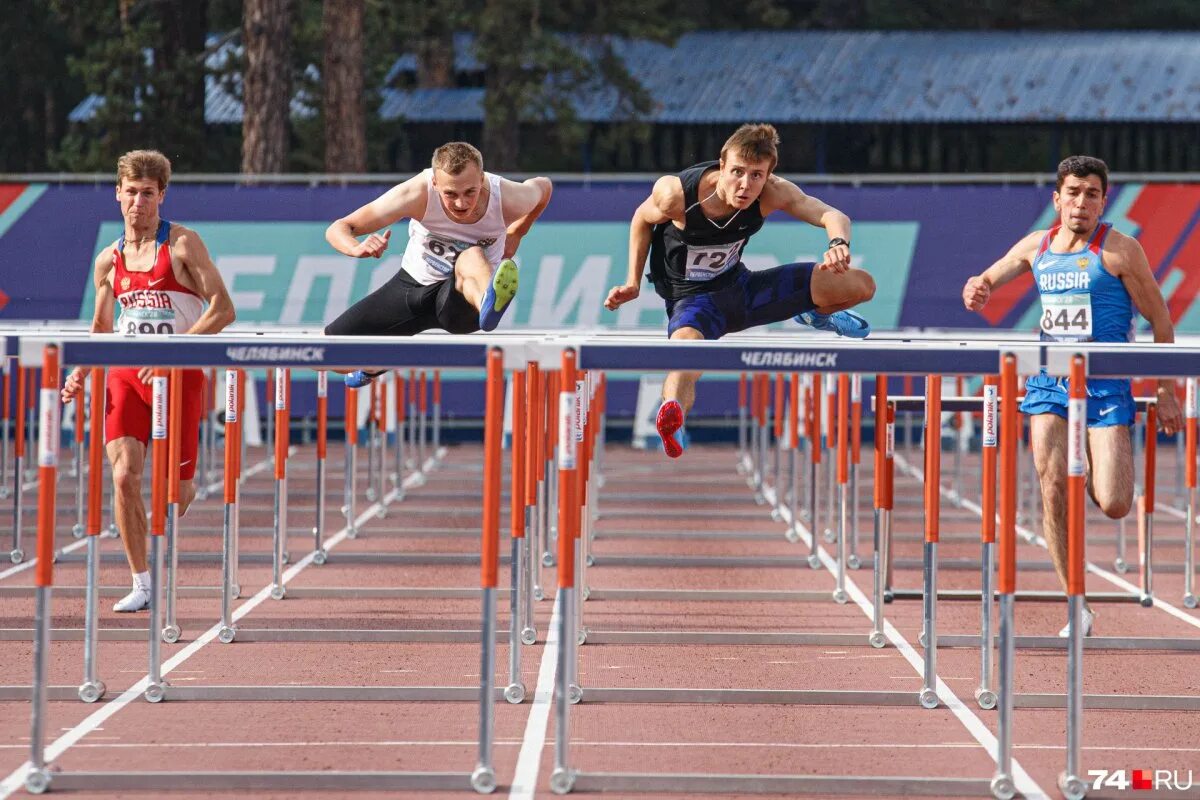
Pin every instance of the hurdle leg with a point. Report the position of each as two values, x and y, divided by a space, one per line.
792 535
31 441
551 540
1003 787
78 472
1146 597
540 544
483 779
562 779
1120 564
528 559
852 560
349 490
1072 786
156 688
17 555
1149 484
171 631
814 561
1189 552
877 638
985 695
37 780
437 429
278 590
515 691
777 471
92 688
742 455
228 630
839 592
319 554
371 456
829 534
422 439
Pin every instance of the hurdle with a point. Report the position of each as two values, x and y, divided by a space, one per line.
249 353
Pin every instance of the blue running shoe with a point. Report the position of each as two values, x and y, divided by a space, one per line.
843 323
500 293
360 378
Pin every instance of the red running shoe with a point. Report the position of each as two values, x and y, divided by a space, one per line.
670 420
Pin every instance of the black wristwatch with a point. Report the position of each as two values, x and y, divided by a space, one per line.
834 242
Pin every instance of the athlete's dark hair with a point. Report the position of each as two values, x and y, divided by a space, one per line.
755 142
1081 167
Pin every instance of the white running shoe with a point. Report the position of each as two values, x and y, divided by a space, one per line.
136 600
1087 617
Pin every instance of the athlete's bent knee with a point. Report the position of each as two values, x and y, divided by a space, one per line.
1115 507
125 480
865 284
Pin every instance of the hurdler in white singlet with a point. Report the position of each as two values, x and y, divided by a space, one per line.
434 241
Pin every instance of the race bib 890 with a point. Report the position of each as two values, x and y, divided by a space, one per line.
147 321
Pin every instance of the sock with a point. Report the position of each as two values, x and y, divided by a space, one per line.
141 580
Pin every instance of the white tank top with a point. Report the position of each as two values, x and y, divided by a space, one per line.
434 241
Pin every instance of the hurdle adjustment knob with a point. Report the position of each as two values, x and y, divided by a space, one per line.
561 781
1189 601
539 593
514 693
77 530
1002 788
37 781
791 535
91 691
171 634
227 634
814 561
574 694
1121 566
929 699
877 639
1072 787
483 780
319 557
278 592
854 562
840 596
155 693
986 698
528 636
17 556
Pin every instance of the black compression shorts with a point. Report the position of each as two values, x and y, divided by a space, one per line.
403 307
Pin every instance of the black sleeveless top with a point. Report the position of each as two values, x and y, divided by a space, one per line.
706 255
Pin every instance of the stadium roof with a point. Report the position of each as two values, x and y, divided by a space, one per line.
852 77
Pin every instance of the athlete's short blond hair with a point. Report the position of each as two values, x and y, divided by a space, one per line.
143 165
453 157
754 142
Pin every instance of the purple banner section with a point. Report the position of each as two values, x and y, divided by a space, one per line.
47 248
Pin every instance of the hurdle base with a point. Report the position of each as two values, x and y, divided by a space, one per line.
970 594
699 783
235 781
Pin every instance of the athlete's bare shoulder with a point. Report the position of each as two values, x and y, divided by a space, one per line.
667 197
104 265
1122 252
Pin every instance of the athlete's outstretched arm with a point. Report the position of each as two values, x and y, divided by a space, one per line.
102 316
1017 260
783 195
665 203
1124 256
407 199
523 204
200 273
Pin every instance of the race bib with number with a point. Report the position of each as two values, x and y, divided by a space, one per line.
706 263
1067 315
146 321
440 253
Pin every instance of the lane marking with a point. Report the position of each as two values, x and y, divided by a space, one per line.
1024 782
16 779
1033 538
524 782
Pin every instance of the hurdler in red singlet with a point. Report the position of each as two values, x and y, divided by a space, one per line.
153 303
165 283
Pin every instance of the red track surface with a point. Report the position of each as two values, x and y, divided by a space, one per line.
605 737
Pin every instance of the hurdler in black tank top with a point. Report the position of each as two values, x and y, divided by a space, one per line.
711 250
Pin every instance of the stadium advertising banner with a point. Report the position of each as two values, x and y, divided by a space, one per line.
920 242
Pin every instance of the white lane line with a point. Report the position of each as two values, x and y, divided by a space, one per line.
1024 782
1034 538
212 487
529 760
16 779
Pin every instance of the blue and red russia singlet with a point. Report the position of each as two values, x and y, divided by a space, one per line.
1081 302
153 303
